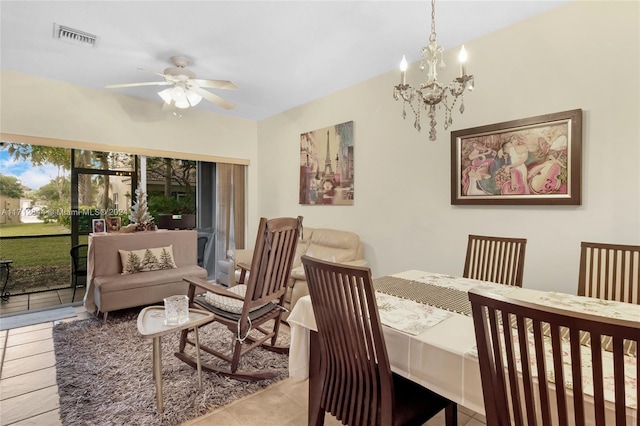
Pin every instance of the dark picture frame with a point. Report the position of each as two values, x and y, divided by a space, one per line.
99 226
535 160
114 224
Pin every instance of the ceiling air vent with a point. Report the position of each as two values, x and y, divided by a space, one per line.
74 36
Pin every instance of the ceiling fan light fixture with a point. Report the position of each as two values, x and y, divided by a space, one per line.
193 98
165 95
178 93
180 97
182 104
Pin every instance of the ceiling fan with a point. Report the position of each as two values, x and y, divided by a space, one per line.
187 90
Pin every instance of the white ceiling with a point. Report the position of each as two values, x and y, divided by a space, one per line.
280 54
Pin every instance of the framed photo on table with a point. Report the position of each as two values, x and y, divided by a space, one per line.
99 226
534 160
113 224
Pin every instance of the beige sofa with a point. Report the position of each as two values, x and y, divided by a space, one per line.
110 290
328 244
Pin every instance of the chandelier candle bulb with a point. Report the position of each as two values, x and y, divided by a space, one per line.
403 70
462 57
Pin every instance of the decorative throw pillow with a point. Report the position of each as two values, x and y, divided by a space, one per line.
227 303
144 260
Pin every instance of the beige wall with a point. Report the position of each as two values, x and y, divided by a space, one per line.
581 55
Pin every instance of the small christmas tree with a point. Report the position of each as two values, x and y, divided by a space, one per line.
139 214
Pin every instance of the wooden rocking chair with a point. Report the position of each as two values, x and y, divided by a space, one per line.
248 307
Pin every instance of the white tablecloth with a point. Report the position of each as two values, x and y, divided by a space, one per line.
441 358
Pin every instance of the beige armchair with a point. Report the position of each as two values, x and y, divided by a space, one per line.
327 244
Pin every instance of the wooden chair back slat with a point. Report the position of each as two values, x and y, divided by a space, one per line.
516 339
272 259
610 272
495 259
357 366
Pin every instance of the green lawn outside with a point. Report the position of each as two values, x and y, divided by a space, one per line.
36 251
39 263
19 229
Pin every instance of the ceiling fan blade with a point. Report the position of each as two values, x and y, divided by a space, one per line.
150 83
215 84
213 98
151 72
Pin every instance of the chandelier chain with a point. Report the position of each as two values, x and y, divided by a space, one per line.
432 37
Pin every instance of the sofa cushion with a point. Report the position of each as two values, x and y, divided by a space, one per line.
303 245
333 245
230 304
118 282
335 238
145 260
331 254
298 273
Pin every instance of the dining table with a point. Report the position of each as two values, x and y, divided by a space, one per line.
429 332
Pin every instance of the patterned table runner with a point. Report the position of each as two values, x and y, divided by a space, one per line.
445 298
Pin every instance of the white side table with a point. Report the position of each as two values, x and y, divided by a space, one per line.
151 324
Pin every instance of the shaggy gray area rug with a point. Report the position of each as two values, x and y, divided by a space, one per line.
104 373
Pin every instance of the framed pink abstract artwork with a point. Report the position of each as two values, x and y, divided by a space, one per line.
534 160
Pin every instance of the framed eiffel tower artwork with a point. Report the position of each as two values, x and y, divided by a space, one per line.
326 166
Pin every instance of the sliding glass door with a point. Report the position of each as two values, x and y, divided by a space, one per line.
102 185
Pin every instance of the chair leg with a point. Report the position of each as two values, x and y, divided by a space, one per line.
237 351
315 411
451 414
75 285
276 330
316 418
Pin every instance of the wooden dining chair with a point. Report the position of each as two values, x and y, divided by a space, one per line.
540 371
251 311
610 272
358 387
495 259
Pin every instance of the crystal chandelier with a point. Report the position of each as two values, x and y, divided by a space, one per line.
431 93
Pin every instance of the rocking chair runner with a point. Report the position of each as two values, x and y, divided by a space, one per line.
247 308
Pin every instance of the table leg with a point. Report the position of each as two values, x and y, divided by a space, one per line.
198 358
157 371
316 415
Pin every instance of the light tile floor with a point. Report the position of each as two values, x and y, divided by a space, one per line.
29 394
